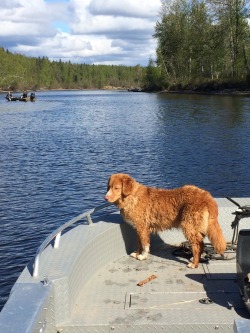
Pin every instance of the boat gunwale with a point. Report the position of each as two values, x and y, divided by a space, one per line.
56 234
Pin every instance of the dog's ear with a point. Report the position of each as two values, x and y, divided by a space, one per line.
108 184
127 185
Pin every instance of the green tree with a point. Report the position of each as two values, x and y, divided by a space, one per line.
231 16
173 50
152 80
202 40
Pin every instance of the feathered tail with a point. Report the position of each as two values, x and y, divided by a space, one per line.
216 236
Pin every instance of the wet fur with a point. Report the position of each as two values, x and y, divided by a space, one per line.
150 210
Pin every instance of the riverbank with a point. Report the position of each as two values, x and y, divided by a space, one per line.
225 92
214 87
61 89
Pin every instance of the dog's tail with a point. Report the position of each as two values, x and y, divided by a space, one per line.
215 234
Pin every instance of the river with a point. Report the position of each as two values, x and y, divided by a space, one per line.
57 153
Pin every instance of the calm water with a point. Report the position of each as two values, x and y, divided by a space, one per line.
56 155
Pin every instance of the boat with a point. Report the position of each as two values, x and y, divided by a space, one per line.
82 279
22 98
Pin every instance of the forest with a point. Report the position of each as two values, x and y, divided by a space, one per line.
201 45
18 72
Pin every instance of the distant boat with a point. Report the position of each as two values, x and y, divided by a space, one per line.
23 98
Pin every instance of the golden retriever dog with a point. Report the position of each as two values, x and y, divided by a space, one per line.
150 210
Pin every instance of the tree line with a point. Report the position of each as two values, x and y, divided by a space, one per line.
201 43
18 72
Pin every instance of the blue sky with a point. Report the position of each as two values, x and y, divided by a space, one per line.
82 31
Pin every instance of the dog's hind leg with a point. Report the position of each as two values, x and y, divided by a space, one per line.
197 249
195 239
194 226
144 245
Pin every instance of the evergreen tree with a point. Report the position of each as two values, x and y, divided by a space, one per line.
152 80
18 72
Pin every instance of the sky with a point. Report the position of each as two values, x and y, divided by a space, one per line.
117 32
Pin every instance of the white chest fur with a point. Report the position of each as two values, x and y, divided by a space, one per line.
129 222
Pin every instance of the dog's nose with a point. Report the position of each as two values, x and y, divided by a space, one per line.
106 197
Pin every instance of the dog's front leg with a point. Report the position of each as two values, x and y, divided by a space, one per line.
143 245
145 252
139 249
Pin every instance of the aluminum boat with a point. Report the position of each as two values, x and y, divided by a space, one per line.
82 279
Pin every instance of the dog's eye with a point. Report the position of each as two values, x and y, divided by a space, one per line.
116 187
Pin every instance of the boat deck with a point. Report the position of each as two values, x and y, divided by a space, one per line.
89 284
178 299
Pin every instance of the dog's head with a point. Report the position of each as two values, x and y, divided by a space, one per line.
120 185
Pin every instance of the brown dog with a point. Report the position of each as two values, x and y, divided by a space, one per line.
150 210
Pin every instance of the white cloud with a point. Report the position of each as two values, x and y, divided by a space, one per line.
89 31
125 8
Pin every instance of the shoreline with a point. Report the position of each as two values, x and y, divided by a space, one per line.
62 89
225 92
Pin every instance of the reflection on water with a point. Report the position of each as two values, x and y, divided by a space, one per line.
209 141
57 154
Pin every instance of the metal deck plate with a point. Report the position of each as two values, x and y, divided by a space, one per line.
170 302
183 300
220 270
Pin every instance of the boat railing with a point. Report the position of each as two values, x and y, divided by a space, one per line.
56 235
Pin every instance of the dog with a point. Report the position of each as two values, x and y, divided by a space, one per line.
150 210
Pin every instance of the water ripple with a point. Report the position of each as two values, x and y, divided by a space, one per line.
57 154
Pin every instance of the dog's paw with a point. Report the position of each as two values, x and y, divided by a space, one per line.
142 256
191 265
134 255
